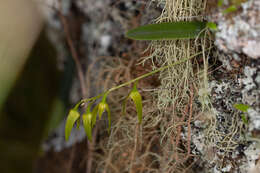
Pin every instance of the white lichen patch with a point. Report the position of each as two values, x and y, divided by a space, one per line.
251 95
252 154
228 124
248 80
252 48
254 117
226 169
241 33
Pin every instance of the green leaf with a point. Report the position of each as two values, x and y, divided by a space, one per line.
137 98
220 3
87 118
230 9
241 107
167 31
212 26
72 118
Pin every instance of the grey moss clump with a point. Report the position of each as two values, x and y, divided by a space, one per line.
179 85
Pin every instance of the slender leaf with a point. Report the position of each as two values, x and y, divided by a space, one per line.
167 31
212 26
230 9
241 107
137 99
72 118
220 3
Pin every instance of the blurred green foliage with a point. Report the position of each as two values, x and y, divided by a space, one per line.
25 117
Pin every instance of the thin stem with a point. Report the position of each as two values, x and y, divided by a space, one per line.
90 99
73 50
139 78
152 72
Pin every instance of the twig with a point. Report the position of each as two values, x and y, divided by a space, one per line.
73 50
178 134
90 150
189 126
83 90
138 78
135 147
72 155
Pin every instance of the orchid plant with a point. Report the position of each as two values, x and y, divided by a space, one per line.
162 31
